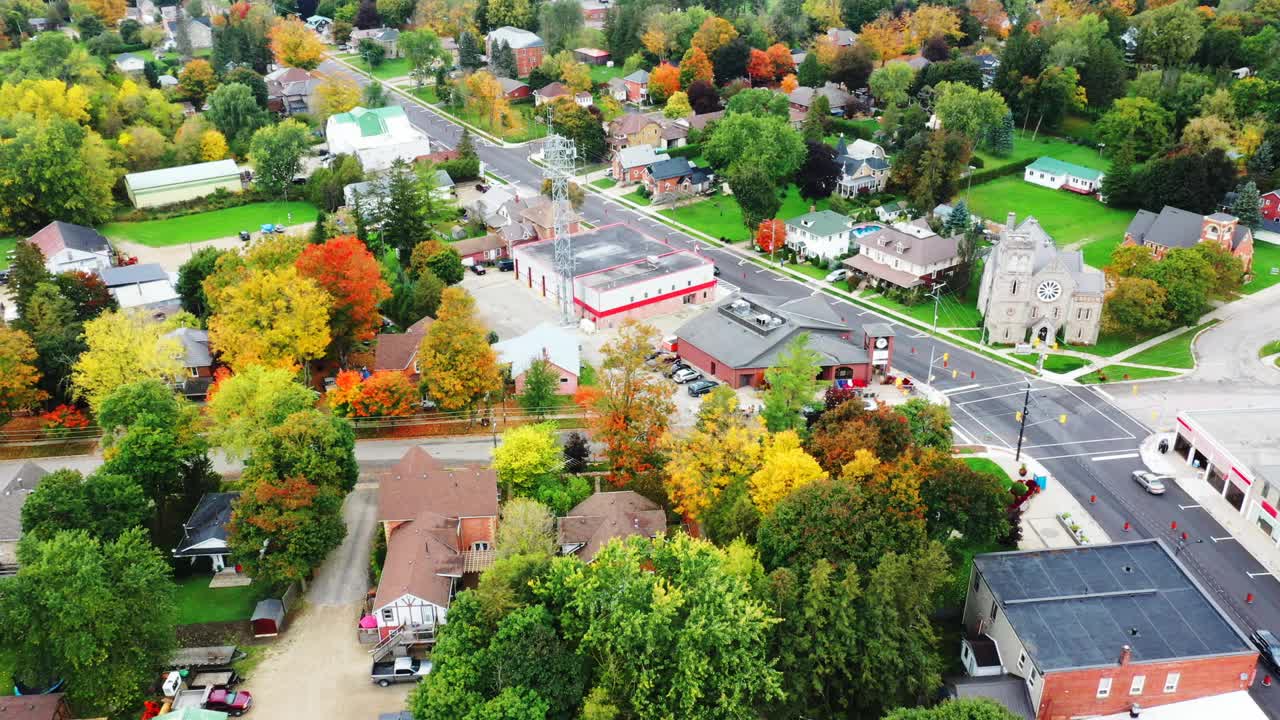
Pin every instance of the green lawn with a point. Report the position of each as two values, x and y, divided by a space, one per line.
1270 348
427 94
530 129
1266 257
1107 345
209 225
1174 352
1055 363
1024 148
990 467
635 197
1120 373
6 244
6 674
198 603
390 68
953 312
1078 127
1068 217
975 335
720 217
601 74
604 183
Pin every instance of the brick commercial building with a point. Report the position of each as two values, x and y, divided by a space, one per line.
1098 629
528 48
744 336
1237 453
619 273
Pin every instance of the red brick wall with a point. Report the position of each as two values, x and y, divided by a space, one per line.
1075 693
474 530
527 59
1271 206
633 91
732 376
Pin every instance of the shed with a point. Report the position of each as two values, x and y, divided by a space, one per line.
268 618
186 182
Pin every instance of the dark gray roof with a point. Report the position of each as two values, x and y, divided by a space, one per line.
13 494
1008 690
207 522
1077 607
133 274
732 335
1173 227
671 168
195 347
58 235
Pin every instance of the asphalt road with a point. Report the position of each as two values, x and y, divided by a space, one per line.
1093 453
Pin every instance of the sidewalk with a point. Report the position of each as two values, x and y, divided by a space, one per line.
1189 479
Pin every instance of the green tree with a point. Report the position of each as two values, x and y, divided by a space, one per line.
191 277
559 21
52 323
958 709
469 51
1187 279
276 154
793 384
968 111
528 454
54 170
580 125
324 187
404 217
281 529
962 500
999 137
26 272
762 101
71 577
503 61
316 445
1051 94
769 142
814 127
755 193
930 423
890 83
1135 305
102 505
541 386
1118 184
1226 270
372 52
1169 35
424 52
235 113
527 528
811 73
249 404
1247 206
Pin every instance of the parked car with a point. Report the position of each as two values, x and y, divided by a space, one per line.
478 269
837 275
402 669
1151 482
506 264
232 702
677 367
1268 646
715 270
698 388
685 374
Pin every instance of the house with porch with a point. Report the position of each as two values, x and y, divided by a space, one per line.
632 162
291 91
204 534
824 234
1175 228
863 167
556 345
906 255
675 178
1059 175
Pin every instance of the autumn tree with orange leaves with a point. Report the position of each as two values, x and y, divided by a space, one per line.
771 236
296 45
345 268
459 367
663 81
386 393
18 373
789 84
780 55
714 33
282 528
841 432
632 410
759 66
886 35
695 66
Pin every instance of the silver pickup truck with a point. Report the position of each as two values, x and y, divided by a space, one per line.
403 669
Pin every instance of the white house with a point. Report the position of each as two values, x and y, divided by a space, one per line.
130 63
145 287
377 137
1059 175
68 247
825 234
556 345
204 534
905 255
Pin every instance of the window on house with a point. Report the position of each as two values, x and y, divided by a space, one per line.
1104 687
1022 661
1135 687
564 379
193 372
480 545
388 615
1171 682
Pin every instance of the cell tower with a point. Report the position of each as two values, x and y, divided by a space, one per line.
558 154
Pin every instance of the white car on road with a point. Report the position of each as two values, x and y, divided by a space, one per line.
1151 482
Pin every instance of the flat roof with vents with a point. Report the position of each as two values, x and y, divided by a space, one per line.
1077 607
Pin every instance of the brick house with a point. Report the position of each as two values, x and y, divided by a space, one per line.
478 251
744 336
637 84
552 343
527 47
1098 629
399 351
538 215
1175 228
631 163
634 129
1270 208
675 177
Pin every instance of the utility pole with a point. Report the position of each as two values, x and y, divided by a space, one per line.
559 154
1026 399
937 296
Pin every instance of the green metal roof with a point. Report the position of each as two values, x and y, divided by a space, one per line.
822 222
217 170
1054 166
370 121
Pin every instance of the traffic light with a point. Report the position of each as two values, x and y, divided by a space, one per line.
1062 419
1018 416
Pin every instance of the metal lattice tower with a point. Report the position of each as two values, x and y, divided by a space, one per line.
558 155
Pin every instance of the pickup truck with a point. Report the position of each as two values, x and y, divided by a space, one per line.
403 669
214 679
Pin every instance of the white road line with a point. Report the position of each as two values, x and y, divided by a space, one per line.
1254 575
1117 456
1062 457
993 397
1187 507
960 389
992 387
1223 539
1095 409
966 437
1075 442
991 432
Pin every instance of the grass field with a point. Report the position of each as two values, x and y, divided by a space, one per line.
1265 257
1024 148
1078 127
6 244
198 603
953 312
990 467
427 94
390 68
530 130
601 74
604 183
209 225
1055 363
1068 217
1120 373
720 217
1107 345
974 334
1174 352
635 197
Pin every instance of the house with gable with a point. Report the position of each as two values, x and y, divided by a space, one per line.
634 129
526 46
199 31
907 255
550 92
130 64
802 98
197 361
637 85
13 494
675 178
603 516
1270 210
630 163
1059 175
67 247
204 534
291 91
863 167
1175 228
439 523
552 343
824 234
399 351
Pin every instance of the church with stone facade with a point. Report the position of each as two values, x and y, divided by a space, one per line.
1033 290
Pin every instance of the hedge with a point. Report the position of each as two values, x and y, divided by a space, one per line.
849 127
688 151
220 199
986 176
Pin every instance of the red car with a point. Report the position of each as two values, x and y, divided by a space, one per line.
231 702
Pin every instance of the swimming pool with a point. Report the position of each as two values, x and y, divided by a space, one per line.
867 229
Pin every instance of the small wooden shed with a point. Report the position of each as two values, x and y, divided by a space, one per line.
268 618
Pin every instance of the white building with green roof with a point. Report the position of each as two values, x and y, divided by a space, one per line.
185 182
1060 175
378 137
826 234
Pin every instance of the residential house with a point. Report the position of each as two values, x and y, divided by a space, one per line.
1059 175
746 334
675 133
130 64
439 523
481 250
35 707
388 38
399 351
604 516
631 162
863 167
617 88
823 234
319 23
377 137
594 12
204 534
917 62
199 30
538 215
13 494
166 186
802 98
527 47
1097 630
891 212
584 99
146 287
68 247
592 56
1270 210
513 89
634 129
842 37
906 255
197 361
1175 228
701 120
989 65
556 345
495 206
637 84
675 178
291 91
550 92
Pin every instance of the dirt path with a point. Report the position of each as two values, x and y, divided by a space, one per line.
172 257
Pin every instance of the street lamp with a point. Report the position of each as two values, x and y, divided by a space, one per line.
1182 545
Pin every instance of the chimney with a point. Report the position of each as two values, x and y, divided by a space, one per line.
1011 222
813 208
1126 653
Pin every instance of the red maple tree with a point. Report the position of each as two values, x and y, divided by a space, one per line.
771 235
780 55
664 80
384 393
760 67
345 268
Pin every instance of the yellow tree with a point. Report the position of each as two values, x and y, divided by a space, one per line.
577 76
111 11
715 33
723 447
826 13
458 365
18 373
275 318
886 35
336 94
485 99
789 83
447 18
296 45
45 99
930 20
825 49
990 13
213 146
196 81
677 106
784 466
695 66
655 41
123 347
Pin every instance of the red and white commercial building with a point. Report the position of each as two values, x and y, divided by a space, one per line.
1237 454
619 273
